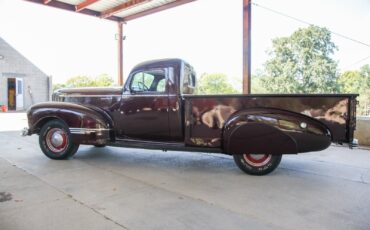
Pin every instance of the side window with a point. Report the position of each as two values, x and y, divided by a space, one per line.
141 82
188 84
161 87
149 81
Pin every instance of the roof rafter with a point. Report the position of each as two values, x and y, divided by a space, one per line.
85 4
121 7
81 6
70 7
157 9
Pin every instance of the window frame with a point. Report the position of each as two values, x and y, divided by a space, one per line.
187 72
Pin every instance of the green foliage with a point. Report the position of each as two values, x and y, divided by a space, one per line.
215 83
85 81
351 82
103 80
58 86
80 81
302 63
257 85
357 81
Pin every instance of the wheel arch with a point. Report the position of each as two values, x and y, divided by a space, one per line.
88 125
273 131
42 121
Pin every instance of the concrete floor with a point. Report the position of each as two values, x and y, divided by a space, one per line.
118 188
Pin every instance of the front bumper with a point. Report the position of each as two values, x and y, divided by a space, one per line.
25 132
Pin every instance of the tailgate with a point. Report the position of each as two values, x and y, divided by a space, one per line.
351 125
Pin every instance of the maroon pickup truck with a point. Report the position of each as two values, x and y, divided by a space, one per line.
156 110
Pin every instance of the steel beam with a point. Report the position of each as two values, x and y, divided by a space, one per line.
120 53
70 7
121 7
85 4
109 13
157 9
247 12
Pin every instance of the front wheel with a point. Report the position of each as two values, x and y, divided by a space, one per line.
257 164
55 140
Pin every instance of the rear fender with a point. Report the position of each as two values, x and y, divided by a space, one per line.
273 131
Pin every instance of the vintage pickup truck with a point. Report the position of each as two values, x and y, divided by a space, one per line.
156 110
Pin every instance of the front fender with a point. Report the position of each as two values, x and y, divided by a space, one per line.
82 121
273 131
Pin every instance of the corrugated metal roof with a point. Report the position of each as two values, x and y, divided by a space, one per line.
117 10
103 5
73 2
143 7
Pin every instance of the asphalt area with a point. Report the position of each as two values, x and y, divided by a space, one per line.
121 188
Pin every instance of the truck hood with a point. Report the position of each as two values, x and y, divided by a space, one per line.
103 98
90 91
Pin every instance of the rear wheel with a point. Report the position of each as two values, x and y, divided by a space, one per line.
55 140
257 164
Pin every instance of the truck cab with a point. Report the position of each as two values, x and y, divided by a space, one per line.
151 105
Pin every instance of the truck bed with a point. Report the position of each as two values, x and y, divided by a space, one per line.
205 115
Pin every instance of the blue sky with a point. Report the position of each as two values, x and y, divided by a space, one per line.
207 33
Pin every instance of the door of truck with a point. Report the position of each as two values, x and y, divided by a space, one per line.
143 112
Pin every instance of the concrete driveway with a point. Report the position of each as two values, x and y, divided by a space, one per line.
118 188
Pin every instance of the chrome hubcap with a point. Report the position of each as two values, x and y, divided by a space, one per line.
257 160
56 140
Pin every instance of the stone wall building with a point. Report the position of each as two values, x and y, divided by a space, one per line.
21 82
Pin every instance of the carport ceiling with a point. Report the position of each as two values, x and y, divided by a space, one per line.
125 10
115 10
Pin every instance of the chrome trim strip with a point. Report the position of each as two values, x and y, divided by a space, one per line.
86 130
149 95
123 95
93 95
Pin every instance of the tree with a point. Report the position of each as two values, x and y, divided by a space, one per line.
58 86
257 86
357 81
215 83
302 63
102 80
80 81
351 82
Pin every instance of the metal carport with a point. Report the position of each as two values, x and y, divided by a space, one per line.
122 11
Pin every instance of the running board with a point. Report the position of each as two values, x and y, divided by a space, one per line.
158 145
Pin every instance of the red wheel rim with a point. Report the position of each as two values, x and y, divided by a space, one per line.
57 140
257 160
